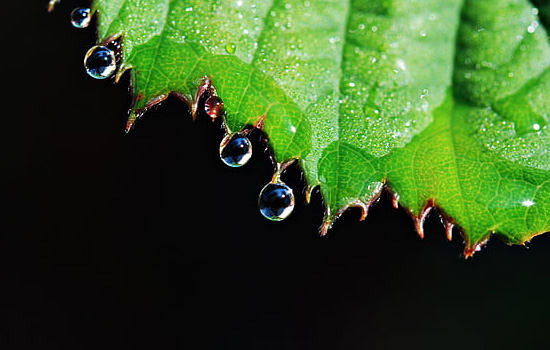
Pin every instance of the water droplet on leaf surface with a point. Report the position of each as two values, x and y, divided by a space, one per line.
81 17
235 150
276 201
100 62
230 48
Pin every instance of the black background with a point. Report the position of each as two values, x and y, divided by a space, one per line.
147 239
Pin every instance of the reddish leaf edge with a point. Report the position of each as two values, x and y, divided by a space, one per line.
206 87
431 206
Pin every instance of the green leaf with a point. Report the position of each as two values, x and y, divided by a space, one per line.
446 103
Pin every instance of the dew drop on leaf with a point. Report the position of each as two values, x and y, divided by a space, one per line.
276 201
230 48
235 150
81 17
100 62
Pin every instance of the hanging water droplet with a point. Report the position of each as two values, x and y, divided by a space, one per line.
100 62
276 201
235 150
213 107
81 17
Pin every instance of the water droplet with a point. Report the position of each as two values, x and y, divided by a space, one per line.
213 107
276 201
424 93
100 62
81 17
235 150
532 27
400 63
230 48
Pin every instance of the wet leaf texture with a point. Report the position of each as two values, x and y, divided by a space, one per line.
444 103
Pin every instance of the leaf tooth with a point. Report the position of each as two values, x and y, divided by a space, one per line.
419 221
120 72
331 218
364 207
136 114
449 230
469 250
395 200
259 124
52 4
309 191
325 227
130 122
448 224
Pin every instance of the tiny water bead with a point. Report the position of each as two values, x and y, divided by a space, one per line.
230 48
81 17
235 150
276 201
100 62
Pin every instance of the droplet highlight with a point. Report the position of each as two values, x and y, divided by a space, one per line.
100 62
235 150
81 17
276 201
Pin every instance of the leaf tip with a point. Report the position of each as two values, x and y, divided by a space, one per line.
52 4
327 224
470 249
130 122
419 221
449 230
395 200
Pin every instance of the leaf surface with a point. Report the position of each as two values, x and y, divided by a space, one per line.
446 103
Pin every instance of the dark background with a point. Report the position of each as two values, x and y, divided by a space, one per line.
147 239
